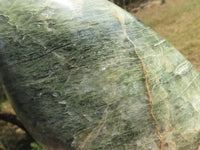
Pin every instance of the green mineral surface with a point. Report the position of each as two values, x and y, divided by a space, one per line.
87 75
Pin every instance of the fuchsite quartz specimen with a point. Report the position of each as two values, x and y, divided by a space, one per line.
87 75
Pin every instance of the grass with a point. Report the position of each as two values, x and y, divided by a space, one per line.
178 21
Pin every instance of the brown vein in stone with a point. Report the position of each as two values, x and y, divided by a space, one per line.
120 17
147 84
95 130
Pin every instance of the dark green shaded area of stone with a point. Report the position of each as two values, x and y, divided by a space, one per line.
87 75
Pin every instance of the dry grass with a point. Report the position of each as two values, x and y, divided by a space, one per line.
178 21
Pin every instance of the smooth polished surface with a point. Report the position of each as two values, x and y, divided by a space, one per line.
86 75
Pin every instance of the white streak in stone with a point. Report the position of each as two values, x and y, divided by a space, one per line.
66 3
160 42
182 68
63 102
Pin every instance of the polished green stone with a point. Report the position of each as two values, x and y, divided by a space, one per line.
87 75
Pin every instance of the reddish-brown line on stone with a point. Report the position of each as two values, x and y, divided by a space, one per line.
122 20
149 96
148 91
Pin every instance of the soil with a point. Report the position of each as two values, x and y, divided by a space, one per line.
135 7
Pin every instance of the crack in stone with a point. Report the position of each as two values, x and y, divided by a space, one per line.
41 56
